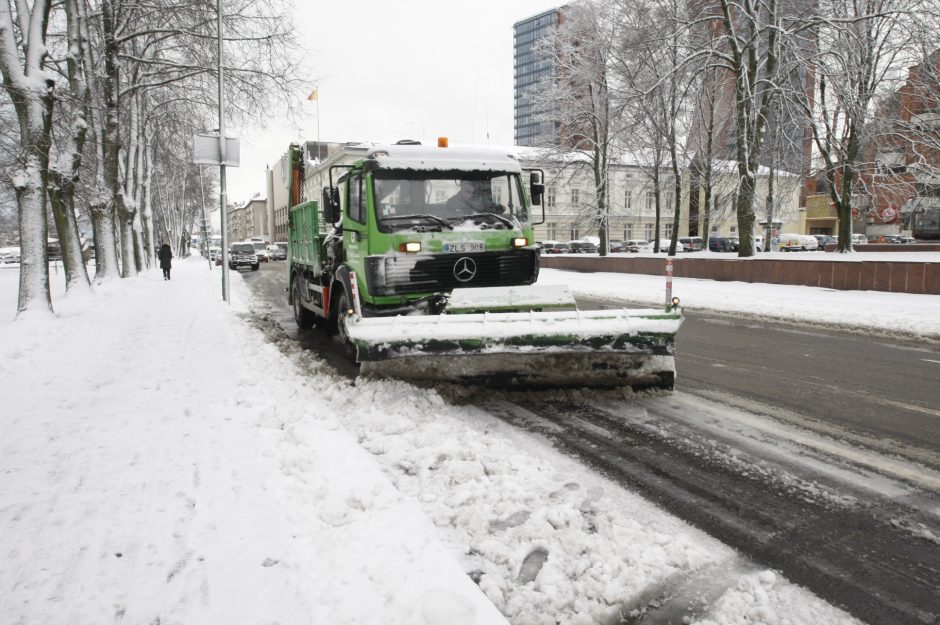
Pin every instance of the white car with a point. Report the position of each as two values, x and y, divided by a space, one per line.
261 250
691 244
639 246
793 242
9 255
277 252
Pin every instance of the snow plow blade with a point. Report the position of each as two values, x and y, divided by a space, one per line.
522 350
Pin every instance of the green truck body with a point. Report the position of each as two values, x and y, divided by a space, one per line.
397 230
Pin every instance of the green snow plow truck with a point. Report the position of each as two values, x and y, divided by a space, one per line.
421 261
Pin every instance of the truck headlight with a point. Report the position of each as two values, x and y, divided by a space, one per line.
411 247
519 242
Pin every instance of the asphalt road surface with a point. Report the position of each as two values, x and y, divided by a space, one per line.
815 452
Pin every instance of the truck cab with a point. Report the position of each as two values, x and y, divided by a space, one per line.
412 223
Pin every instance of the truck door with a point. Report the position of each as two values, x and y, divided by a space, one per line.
355 232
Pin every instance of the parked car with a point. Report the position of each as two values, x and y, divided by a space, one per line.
261 250
276 252
665 243
692 244
722 244
824 240
858 239
9 255
639 245
243 255
617 247
557 248
582 247
793 242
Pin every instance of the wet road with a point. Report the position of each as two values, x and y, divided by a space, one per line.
812 452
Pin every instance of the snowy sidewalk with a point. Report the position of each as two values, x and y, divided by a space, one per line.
156 466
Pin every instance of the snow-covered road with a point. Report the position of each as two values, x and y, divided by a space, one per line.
163 461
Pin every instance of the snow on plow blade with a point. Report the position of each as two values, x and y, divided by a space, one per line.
598 348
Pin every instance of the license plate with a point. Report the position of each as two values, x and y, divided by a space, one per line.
463 247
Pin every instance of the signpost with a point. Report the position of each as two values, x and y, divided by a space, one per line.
217 149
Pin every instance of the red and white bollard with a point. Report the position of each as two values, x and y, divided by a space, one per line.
669 302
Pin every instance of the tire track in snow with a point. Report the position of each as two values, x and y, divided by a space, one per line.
845 551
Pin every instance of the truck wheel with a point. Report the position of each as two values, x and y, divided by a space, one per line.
342 305
302 317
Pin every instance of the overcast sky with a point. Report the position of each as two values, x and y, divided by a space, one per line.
392 70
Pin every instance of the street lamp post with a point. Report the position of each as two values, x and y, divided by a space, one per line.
222 191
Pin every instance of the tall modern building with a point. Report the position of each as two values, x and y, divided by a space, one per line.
530 70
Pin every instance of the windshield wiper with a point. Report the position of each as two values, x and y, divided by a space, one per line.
434 218
505 220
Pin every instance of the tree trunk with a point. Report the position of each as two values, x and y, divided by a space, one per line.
61 198
34 292
22 65
106 258
744 207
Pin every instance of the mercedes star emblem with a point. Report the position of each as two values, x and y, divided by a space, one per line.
465 269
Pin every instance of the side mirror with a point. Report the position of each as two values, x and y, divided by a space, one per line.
536 188
331 211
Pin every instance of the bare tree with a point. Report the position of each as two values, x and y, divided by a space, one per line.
130 65
23 55
71 132
655 72
577 101
748 46
860 50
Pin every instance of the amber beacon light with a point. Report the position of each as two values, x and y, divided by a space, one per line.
442 142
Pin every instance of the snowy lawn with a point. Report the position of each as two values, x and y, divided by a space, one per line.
162 462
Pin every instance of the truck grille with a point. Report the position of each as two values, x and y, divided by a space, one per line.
394 275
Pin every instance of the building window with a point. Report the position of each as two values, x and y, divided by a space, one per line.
669 231
550 197
628 232
648 231
575 233
628 199
575 197
650 202
552 229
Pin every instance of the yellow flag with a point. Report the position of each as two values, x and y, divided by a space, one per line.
313 95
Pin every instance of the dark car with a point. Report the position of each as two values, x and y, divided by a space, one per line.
582 247
618 246
557 248
825 239
722 244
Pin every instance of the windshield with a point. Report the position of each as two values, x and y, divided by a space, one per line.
243 248
439 200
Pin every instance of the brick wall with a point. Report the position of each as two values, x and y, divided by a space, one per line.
844 275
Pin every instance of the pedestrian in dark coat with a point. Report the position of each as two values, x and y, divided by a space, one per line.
165 254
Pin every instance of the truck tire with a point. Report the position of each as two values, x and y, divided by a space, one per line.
341 306
302 317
